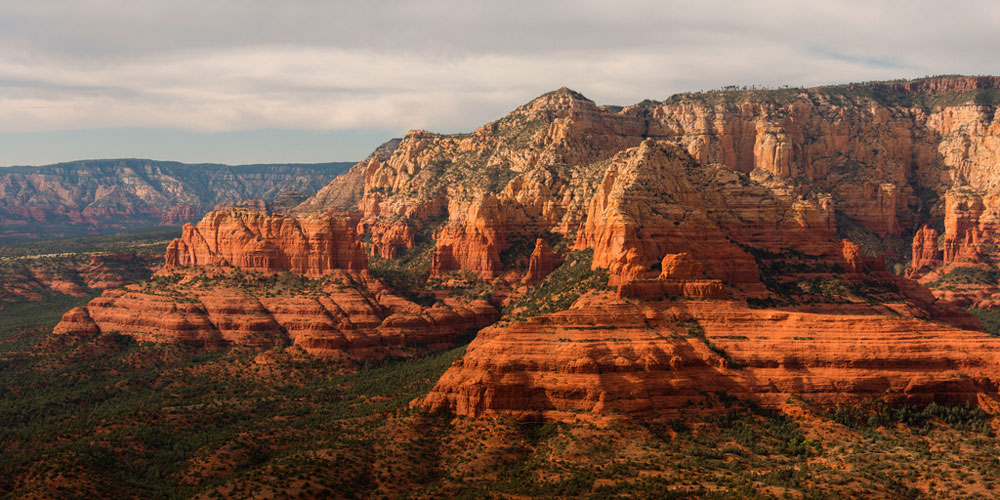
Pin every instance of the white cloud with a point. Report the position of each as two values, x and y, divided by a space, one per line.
441 65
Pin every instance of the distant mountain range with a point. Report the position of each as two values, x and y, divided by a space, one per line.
101 196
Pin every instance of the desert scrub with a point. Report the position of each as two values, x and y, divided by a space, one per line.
966 276
872 414
990 319
560 288
151 241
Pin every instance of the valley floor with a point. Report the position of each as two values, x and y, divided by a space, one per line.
111 418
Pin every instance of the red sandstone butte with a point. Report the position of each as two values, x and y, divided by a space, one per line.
311 246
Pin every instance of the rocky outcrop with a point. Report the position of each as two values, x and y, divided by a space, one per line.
883 163
390 238
606 355
312 246
35 279
542 262
180 214
77 321
719 216
104 195
348 314
680 276
646 208
926 254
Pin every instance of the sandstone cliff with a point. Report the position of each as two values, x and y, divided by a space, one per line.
879 156
608 355
312 246
344 314
740 197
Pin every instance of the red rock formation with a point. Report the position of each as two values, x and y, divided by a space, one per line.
926 254
474 245
181 213
681 266
814 149
389 238
542 262
855 260
680 276
312 246
717 196
603 355
77 321
658 288
353 316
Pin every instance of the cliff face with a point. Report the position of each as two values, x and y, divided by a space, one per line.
254 241
882 156
87 197
608 355
346 314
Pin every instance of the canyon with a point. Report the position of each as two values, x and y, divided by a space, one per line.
763 244
105 196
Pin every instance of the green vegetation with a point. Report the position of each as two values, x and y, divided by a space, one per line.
284 283
409 272
115 417
990 319
560 288
966 276
885 93
873 414
465 284
18 318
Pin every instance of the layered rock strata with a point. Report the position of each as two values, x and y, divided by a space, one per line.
346 315
312 246
605 355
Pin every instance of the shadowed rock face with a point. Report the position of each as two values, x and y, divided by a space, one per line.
33 279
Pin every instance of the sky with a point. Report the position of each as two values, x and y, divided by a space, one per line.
241 81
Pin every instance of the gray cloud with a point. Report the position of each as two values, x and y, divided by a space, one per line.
227 65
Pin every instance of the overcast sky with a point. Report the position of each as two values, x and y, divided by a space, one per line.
312 80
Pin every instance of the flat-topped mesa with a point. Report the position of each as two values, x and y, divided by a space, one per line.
311 246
